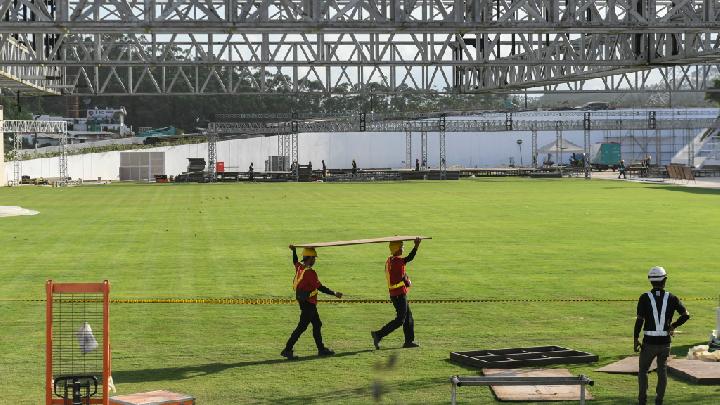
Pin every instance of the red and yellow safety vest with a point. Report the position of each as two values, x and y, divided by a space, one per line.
300 272
395 271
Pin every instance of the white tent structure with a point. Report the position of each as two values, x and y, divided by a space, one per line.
565 147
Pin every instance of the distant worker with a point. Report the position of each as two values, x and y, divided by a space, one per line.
398 285
324 169
621 170
655 310
417 165
306 285
646 166
354 168
251 172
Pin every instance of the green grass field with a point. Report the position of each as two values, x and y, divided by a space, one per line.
514 239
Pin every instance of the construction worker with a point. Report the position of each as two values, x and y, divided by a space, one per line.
354 168
306 285
655 310
398 285
621 170
251 172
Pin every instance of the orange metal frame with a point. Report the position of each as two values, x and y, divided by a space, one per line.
76 288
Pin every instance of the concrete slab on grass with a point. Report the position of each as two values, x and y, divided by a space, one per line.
14 211
535 392
160 397
628 365
696 371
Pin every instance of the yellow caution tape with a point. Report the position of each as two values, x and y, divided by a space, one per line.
287 301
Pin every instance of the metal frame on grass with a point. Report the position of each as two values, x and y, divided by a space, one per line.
21 127
69 305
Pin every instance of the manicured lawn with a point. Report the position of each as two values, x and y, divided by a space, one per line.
499 239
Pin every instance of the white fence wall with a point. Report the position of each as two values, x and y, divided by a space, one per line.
338 150
3 176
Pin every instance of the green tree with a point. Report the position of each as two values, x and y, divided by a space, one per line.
714 96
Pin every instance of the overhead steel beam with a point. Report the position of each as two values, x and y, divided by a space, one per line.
492 122
583 57
303 16
28 76
141 47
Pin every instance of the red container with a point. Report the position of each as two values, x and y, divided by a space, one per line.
220 167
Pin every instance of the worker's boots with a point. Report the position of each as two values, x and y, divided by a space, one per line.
288 354
325 352
376 339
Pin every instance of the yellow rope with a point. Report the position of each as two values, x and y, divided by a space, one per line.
287 301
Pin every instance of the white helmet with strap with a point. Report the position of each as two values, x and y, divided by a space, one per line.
657 273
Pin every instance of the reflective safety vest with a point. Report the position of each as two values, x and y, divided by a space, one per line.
298 278
391 286
659 317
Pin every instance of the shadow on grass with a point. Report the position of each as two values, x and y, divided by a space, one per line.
682 351
376 392
691 190
181 373
463 366
631 399
676 188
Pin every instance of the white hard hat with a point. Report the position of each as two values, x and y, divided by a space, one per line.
657 273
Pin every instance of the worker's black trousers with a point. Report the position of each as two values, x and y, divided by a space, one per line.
308 315
403 317
649 352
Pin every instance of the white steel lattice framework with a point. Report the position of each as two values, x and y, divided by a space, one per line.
291 124
355 46
20 127
284 124
30 78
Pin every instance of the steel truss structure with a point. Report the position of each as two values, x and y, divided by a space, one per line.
290 125
28 78
356 46
408 149
212 155
17 163
22 127
240 125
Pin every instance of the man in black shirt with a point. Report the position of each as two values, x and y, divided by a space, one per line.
655 310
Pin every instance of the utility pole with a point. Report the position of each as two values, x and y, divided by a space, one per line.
520 142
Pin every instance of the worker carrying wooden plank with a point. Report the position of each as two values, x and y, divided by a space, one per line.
398 285
655 310
306 285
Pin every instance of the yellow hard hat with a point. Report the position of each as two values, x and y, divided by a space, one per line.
309 252
395 245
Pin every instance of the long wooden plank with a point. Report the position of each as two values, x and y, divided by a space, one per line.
360 241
